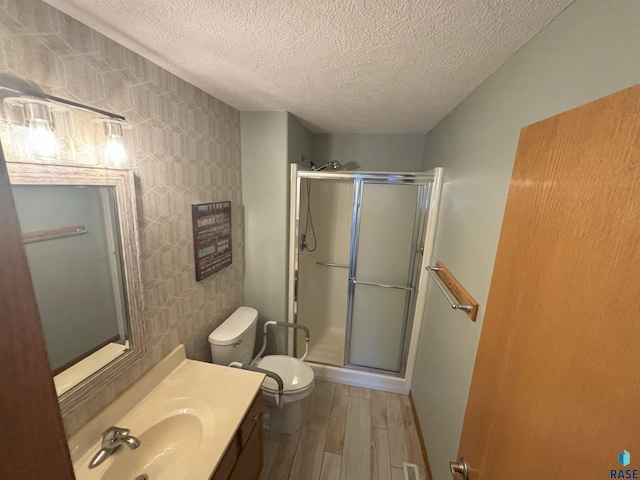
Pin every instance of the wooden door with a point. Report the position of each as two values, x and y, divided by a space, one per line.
556 386
32 440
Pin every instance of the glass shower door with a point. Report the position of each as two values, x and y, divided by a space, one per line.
382 274
326 207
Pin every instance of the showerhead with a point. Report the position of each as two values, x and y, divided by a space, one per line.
333 165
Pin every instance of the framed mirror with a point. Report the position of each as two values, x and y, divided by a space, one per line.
80 230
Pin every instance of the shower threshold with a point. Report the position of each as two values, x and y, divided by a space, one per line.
358 378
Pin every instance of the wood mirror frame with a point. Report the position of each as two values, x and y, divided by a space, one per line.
123 183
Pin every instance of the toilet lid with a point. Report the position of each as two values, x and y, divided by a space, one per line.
296 375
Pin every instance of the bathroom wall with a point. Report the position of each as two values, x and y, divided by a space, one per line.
270 142
264 182
187 150
589 51
299 140
372 152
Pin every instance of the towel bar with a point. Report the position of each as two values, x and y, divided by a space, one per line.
458 297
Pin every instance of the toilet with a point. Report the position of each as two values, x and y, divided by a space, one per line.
234 341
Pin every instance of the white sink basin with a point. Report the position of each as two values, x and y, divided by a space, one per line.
184 413
164 451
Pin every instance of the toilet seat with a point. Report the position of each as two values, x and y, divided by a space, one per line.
296 375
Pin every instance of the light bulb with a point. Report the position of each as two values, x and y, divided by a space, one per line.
109 136
43 143
114 151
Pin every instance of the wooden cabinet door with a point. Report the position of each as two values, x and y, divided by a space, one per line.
556 386
32 440
250 461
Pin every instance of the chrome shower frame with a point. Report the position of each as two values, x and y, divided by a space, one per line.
428 200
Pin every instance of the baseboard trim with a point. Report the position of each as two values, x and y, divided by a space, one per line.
420 437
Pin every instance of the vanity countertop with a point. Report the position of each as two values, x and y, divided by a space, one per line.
213 399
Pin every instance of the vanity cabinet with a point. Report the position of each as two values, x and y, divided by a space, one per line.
243 458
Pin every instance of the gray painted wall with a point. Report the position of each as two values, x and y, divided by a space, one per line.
263 139
374 152
270 141
589 51
299 141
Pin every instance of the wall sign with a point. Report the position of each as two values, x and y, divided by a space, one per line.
211 237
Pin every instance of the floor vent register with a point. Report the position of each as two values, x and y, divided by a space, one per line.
410 471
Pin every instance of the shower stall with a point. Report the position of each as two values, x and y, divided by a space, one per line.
359 245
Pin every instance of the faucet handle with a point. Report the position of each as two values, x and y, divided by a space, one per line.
113 433
112 438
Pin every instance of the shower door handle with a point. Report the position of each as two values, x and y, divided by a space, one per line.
383 285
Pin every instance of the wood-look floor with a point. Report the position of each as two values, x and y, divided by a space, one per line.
349 433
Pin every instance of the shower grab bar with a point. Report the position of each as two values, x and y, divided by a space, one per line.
329 264
446 287
383 285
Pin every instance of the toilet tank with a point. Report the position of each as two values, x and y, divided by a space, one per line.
234 339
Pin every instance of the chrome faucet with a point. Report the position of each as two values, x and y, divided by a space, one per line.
112 438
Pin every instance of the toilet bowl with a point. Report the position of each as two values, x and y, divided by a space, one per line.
284 412
234 341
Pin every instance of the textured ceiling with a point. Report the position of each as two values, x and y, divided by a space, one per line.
342 66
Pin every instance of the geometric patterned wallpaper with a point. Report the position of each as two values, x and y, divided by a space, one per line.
187 150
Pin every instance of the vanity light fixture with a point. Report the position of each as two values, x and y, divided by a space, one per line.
110 148
32 128
43 143
38 127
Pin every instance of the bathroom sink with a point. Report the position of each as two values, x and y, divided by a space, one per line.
185 414
165 449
